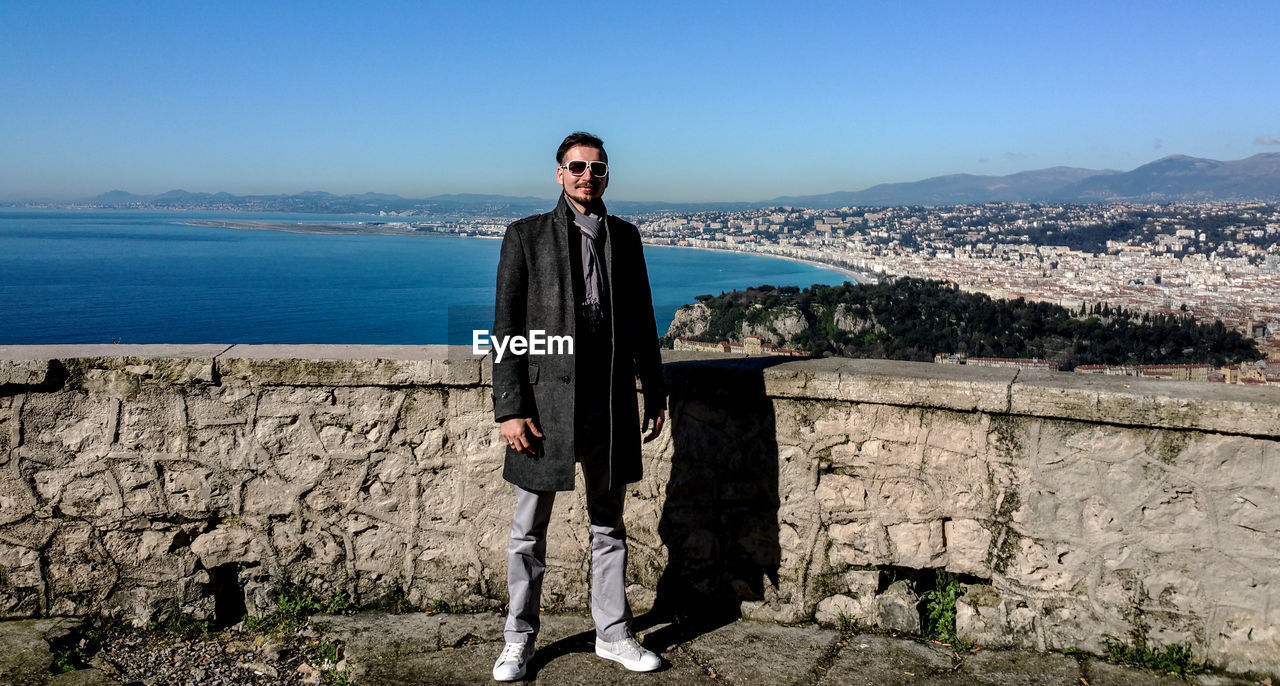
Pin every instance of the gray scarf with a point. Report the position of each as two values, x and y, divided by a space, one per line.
592 277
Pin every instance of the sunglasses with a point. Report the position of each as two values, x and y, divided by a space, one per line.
578 167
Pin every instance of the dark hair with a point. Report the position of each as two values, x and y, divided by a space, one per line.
580 138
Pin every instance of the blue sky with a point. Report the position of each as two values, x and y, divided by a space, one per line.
696 101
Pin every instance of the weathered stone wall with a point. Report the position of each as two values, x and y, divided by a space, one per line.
135 479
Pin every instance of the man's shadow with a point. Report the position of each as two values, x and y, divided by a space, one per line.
719 520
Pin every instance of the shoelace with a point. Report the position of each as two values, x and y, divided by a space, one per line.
512 652
627 647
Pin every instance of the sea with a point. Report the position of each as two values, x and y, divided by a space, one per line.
135 276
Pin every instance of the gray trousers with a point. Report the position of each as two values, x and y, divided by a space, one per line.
527 553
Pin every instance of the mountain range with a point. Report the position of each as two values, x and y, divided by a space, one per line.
1176 178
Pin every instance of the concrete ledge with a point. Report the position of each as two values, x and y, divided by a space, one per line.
918 384
1133 401
354 365
1125 401
35 365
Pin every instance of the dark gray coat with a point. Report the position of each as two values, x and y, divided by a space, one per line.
536 290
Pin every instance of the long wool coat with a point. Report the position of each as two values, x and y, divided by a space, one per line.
536 291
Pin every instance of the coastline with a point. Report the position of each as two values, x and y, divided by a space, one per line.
320 228
346 229
854 276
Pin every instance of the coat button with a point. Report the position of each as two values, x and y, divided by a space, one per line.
564 379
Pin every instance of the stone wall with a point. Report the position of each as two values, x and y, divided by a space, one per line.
139 479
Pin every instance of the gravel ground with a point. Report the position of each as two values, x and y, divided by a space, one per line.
228 658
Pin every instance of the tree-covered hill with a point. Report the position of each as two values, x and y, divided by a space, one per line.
912 319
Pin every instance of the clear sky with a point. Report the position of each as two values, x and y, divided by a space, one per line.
695 100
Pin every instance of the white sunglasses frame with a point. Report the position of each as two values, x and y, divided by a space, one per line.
594 175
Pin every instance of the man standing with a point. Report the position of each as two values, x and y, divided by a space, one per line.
575 272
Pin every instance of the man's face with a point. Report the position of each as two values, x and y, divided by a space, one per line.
584 190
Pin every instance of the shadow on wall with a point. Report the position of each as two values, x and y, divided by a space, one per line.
719 522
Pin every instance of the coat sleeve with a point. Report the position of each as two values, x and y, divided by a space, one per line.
512 395
648 358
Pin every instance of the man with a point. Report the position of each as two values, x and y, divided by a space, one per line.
576 272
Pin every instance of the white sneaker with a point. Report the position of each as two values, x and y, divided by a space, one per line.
629 653
513 661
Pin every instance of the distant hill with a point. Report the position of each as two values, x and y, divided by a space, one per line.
954 189
1169 179
1179 177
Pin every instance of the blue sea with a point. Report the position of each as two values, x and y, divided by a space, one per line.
145 277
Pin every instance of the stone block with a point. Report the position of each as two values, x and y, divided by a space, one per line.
228 544
221 406
155 422
139 546
18 372
968 543
1247 643
918 545
377 547
327 487
470 404
141 492
16 498
95 496
954 432
55 425
360 420
269 496
112 383
9 434
287 402
51 482
859 543
80 571
898 425
881 459
422 413
897 609
21 567
845 612
841 496
896 499
981 617
226 447
193 490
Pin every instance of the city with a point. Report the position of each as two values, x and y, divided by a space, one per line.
1218 261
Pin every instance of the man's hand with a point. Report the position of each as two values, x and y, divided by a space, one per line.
516 433
658 421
